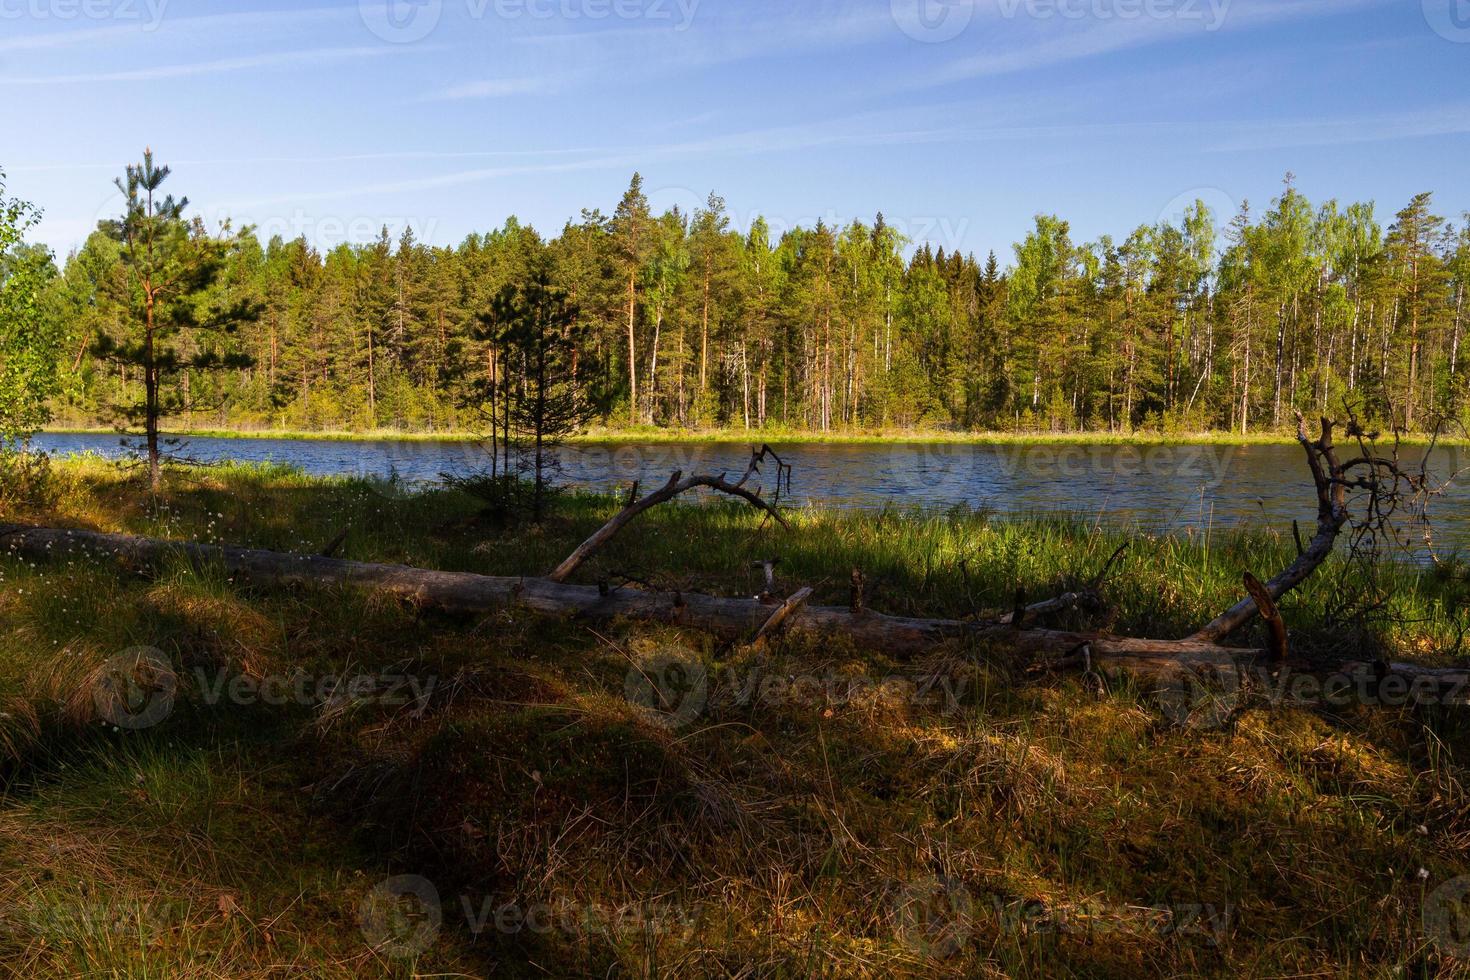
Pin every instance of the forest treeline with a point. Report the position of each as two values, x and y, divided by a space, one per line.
686 321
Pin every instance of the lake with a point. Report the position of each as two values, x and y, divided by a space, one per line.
1149 487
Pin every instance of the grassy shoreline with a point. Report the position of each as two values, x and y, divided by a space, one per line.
773 436
743 437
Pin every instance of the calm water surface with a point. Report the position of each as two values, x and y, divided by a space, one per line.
1153 488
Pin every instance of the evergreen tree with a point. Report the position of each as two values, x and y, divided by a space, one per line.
170 264
539 329
1418 282
632 227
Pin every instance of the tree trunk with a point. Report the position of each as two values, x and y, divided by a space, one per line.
150 395
704 327
736 619
632 348
658 326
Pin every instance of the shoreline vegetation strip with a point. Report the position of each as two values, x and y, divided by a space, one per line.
756 436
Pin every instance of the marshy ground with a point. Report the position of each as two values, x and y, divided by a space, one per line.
329 783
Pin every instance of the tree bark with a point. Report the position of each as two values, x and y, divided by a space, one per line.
466 593
729 618
632 346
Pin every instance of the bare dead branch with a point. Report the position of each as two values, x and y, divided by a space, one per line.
788 608
1269 613
1387 495
1332 515
678 484
1061 603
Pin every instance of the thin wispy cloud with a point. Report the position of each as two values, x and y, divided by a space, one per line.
1378 128
662 48
500 88
160 22
1030 44
868 129
883 129
220 66
321 160
428 183
686 122
1001 39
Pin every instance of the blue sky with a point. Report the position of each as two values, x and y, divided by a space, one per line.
959 119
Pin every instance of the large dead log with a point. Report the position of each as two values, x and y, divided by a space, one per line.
734 618
730 618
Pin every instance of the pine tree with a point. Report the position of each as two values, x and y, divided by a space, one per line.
1418 276
170 265
633 232
713 257
539 329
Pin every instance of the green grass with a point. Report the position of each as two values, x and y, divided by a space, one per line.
805 817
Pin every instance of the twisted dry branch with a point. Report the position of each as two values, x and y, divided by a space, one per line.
679 484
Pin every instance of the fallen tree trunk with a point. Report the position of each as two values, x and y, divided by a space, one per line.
734 618
730 618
